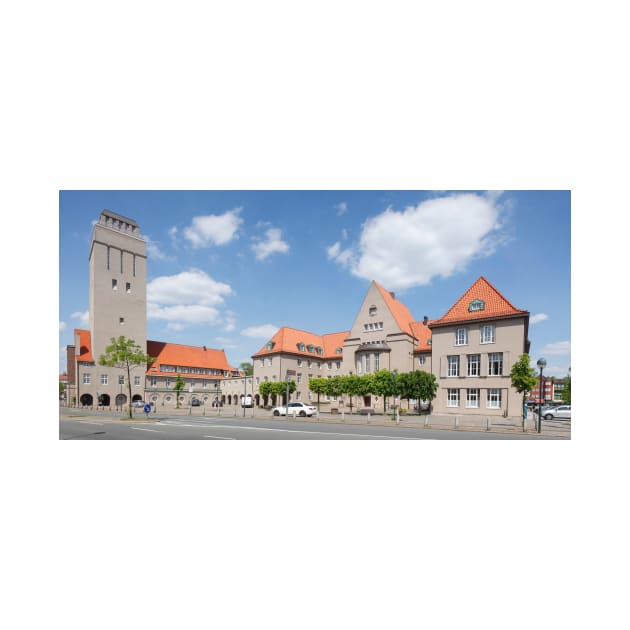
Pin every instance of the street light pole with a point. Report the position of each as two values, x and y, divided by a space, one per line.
541 363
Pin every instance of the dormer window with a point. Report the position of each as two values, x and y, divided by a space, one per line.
339 351
372 311
311 347
301 347
320 350
476 305
270 345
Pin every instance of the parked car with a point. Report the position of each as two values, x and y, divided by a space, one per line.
297 408
563 411
195 402
138 404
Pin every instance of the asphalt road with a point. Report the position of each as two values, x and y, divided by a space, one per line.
95 427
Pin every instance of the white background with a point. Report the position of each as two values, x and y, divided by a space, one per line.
289 95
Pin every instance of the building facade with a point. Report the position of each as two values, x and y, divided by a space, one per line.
470 349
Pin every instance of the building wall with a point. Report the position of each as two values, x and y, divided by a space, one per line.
509 340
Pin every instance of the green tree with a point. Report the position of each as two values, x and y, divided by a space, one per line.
352 386
125 353
420 386
567 389
383 385
179 385
265 390
523 378
280 390
335 386
246 367
318 386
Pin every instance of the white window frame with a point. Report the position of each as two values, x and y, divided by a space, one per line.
136 380
491 362
452 397
461 337
472 364
422 360
487 334
472 398
493 398
104 379
453 365
87 378
269 362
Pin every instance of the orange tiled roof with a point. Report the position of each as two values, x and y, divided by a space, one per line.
422 333
288 340
174 354
84 351
401 313
495 305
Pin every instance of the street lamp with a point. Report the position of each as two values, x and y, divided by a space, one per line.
394 375
541 363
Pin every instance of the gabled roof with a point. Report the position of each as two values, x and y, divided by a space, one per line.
422 333
84 351
401 313
495 305
287 340
174 354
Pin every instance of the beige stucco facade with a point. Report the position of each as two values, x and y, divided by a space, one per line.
482 366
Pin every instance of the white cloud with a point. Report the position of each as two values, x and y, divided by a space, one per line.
62 326
273 244
539 317
341 208
188 298
266 331
559 348
342 257
214 229
188 287
229 322
82 316
436 238
154 251
344 234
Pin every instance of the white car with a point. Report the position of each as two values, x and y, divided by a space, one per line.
297 409
563 411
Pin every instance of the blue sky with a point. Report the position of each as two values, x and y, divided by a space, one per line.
227 268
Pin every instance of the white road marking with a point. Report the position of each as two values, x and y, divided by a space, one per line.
380 437
218 437
139 429
100 424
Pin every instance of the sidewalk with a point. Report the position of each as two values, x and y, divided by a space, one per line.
493 424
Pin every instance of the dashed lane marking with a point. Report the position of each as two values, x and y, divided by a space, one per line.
376 437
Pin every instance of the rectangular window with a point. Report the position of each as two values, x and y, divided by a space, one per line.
452 398
495 364
168 382
472 398
257 380
136 380
453 365
262 363
153 381
121 380
474 364
367 363
121 321
461 337
298 395
338 365
108 258
104 379
299 362
359 365
494 399
487 334
114 284
269 361
87 379
377 361
330 365
121 261
128 287
134 265
299 378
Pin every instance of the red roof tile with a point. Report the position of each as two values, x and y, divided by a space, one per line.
288 339
84 352
401 313
174 354
495 305
422 333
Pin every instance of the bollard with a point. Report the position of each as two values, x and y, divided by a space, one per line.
343 417
456 419
488 423
369 416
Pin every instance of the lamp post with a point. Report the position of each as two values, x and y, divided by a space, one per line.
541 363
244 392
394 375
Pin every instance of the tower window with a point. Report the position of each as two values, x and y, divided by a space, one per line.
114 284
128 287
121 321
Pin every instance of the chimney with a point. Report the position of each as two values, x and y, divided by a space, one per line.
425 321
393 295
205 348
